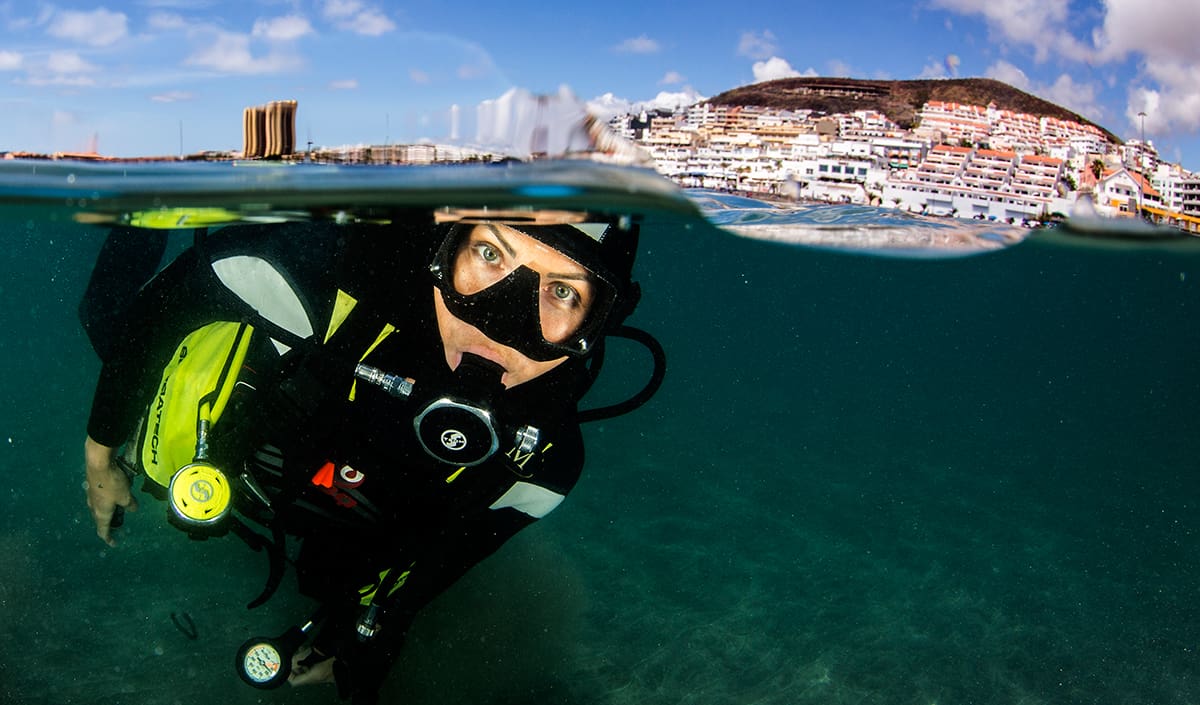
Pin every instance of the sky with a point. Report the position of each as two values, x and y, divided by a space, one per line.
151 77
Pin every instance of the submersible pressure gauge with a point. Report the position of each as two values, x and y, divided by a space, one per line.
266 662
261 664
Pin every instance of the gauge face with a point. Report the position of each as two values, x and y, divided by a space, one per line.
262 662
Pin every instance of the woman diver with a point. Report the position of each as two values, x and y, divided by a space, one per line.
401 398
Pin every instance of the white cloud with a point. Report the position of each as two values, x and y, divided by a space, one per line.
282 29
96 28
68 62
342 8
355 16
1162 34
476 69
230 53
346 84
935 69
179 4
638 45
165 21
946 68
1157 29
1065 91
608 105
1170 99
1038 24
776 67
757 46
952 62
841 68
10 60
667 100
1007 73
671 78
172 97
76 81
1078 97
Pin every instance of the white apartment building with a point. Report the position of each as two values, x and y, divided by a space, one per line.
1169 180
1038 177
979 183
897 153
1139 156
951 122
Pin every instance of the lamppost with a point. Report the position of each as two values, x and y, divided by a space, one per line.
1142 147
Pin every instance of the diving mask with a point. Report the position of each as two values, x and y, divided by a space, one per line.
544 315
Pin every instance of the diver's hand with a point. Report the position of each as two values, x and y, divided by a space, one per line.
310 667
107 488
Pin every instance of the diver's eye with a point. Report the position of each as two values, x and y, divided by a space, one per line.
487 253
564 293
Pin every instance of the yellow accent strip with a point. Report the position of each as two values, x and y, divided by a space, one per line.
366 593
341 309
388 329
235 367
454 475
548 446
399 583
178 218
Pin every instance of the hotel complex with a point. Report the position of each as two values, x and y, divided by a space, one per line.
269 130
958 160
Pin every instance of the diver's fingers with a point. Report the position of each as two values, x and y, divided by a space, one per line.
104 525
309 668
299 667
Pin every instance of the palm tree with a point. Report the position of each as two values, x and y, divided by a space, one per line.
1097 167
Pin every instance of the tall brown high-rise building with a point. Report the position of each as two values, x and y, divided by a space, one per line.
254 132
269 130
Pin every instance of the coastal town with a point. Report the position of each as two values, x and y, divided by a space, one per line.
954 160
962 161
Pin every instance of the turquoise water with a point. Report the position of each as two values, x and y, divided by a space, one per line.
866 480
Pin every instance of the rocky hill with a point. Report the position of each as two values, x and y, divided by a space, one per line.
899 100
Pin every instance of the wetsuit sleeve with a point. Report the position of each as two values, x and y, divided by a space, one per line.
127 260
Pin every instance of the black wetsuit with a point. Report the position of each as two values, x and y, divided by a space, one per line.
347 476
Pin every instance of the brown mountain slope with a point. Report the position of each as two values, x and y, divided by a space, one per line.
899 100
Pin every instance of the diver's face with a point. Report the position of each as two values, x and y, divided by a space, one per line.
487 255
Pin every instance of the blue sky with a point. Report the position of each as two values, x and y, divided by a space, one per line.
132 76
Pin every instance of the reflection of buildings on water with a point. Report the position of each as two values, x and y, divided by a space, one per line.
269 131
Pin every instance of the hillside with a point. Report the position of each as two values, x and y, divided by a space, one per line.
899 100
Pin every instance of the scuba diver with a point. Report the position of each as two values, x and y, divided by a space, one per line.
399 399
